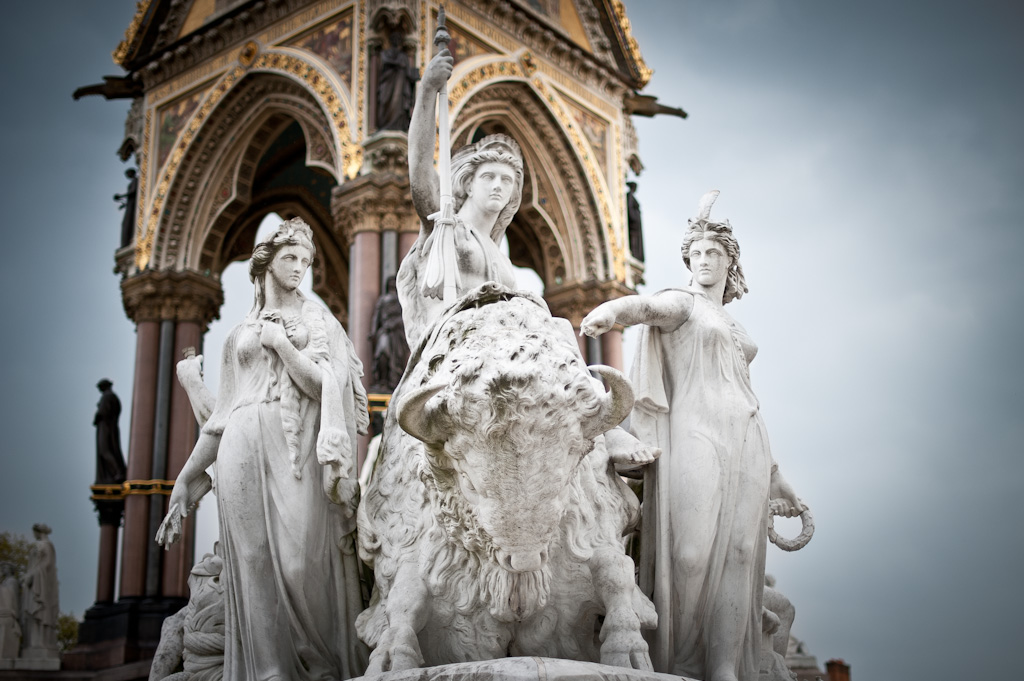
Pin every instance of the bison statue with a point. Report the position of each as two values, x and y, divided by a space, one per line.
494 519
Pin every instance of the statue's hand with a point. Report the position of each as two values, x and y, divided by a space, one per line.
170 528
783 500
273 335
599 321
438 71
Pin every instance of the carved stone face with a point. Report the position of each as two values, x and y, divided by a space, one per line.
289 266
709 262
492 186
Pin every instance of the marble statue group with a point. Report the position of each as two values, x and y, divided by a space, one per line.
29 607
495 520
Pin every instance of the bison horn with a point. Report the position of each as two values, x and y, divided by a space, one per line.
419 421
615 404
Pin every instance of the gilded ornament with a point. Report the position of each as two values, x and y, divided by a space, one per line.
247 55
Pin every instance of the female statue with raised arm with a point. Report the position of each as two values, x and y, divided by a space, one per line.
487 186
707 500
282 434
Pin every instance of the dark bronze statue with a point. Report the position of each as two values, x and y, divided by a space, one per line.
387 333
636 234
128 203
110 468
395 86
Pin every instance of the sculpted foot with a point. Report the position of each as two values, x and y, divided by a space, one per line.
399 649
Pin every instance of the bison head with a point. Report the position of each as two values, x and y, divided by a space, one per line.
507 439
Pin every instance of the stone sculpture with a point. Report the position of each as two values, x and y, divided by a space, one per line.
711 493
387 334
778 616
486 188
395 86
192 640
127 203
634 223
494 519
282 433
110 468
10 612
39 598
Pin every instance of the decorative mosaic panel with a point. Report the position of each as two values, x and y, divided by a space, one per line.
333 43
170 122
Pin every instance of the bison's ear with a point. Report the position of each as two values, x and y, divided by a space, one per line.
615 404
423 422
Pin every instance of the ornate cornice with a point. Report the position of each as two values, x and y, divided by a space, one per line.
180 296
555 46
172 56
629 44
121 52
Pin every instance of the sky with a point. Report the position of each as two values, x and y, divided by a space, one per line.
871 161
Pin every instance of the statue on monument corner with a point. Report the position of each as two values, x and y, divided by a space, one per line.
387 335
282 432
110 467
39 597
634 222
395 85
10 612
694 399
128 205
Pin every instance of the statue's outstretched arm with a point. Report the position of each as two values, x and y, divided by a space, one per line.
666 310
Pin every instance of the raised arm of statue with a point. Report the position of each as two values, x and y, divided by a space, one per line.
423 136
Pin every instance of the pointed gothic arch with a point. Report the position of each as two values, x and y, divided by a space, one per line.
221 190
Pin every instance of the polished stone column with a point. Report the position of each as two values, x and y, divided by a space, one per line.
140 458
611 349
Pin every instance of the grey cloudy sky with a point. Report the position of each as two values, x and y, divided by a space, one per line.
871 160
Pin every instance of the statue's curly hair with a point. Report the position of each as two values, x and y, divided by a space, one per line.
721 232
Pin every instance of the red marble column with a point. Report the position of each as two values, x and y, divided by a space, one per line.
179 558
107 570
140 459
405 243
611 349
364 289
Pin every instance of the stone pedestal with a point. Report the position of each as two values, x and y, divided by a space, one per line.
523 669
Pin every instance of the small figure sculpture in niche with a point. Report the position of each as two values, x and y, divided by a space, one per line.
395 86
634 222
39 597
282 434
127 203
711 493
110 468
387 334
